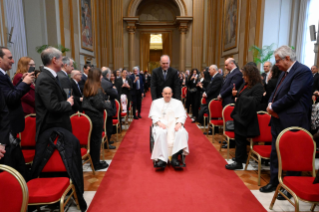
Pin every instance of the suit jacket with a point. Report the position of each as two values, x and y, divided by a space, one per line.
158 83
51 106
292 101
12 116
64 80
77 94
141 79
226 91
213 88
316 82
82 82
123 90
111 94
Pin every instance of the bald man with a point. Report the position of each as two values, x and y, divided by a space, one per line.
170 137
165 76
234 77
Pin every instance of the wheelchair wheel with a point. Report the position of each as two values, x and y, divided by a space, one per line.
151 140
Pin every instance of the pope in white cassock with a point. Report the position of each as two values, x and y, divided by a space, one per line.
170 137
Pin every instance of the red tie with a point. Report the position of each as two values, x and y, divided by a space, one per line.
282 79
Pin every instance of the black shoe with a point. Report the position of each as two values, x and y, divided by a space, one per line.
139 116
231 146
174 160
209 133
112 147
135 117
160 164
234 166
268 188
100 166
281 197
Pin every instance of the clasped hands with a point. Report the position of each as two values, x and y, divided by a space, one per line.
176 128
271 112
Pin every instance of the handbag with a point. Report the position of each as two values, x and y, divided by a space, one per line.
229 126
193 90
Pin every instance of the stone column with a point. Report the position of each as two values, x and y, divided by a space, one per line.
131 31
183 30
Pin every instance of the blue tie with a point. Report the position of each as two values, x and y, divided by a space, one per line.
212 79
165 73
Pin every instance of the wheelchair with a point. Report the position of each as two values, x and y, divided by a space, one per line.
181 156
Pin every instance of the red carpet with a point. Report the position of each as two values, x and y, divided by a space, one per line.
132 184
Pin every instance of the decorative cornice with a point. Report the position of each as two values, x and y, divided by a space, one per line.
131 29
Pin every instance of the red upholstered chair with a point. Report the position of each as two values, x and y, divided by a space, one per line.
215 108
116 118
296 152
124 116
184 94
27 138
81 129
104 140
230 135
205 115
44 191
261 151
14 191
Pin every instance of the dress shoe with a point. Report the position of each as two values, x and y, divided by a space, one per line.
112 147
139 116
209 133
233 166
231 146
100 166
268 188
160 164
135 117
281 197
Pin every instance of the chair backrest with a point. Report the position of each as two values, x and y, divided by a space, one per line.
81 128
104 120
296 150
215 108
14 195
184 92
27 136
264 128
55 163
118 107
228 109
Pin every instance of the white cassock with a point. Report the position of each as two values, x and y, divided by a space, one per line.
167 141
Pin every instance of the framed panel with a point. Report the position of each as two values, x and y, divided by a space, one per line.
87 17
230 24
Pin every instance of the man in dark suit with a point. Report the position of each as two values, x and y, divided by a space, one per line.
11 113
66 69
289 105
314 70
111 94
212 90
233 77
123 86
165 76
52 106
137 92
76 91
147 81
267 68
86 69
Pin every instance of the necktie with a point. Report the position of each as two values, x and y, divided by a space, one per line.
165 73
212 79
282 79
79 88
58 81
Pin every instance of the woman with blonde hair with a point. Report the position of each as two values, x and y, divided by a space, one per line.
94 104
28 100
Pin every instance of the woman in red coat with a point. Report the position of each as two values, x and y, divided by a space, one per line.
28 100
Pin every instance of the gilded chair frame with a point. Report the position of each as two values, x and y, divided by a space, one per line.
280 178
23 184
210 118
205 118
118 119
87 155
105 135
29 115
224 129
252 154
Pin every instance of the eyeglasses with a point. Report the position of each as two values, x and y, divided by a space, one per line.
277 61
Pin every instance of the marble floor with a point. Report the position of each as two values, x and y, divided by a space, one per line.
249 178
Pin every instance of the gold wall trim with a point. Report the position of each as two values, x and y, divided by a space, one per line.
257 29
96 35
61 23
221 6
117 31
72 29
3 25
246 32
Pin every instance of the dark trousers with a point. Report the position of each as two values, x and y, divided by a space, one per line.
137 102
109 127
241 148
276 128
96 137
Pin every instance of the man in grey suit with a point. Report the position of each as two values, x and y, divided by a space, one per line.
66 70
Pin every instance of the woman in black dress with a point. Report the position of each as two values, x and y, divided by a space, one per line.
193 92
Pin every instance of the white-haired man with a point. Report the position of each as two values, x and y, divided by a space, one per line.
170 137
137 92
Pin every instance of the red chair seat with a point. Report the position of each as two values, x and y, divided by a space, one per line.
263 150
103 134
205 115
28 155
123 114
115 121
83 151
217 122
230 134
303 187
47 189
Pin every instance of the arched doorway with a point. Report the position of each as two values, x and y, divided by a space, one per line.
165 17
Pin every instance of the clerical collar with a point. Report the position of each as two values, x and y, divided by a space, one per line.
51 71
4 73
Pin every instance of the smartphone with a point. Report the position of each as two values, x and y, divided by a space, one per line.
31 69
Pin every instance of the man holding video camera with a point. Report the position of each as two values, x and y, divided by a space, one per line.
11 113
